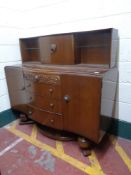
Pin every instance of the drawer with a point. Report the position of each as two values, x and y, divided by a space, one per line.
29 85
42 89
44 103
40 77
49 91
46 118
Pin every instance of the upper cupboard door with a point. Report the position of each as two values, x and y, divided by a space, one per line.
58 49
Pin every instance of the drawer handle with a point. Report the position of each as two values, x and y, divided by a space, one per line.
30 112
67 98
23 88
50 90
53 48
29 85
30 98
51 105
36 77
52 121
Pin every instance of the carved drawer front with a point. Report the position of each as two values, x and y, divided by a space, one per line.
44 84
49 91
36 76
29 85
50 105
42 89
46 118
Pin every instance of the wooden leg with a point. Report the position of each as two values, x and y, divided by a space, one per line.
86 152
24 120
85 146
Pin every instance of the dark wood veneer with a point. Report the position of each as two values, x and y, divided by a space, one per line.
62 80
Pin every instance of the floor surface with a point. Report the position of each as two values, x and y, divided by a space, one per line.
25 151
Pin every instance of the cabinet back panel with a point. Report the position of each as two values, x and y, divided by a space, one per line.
94 47
95 55
30 42
31 55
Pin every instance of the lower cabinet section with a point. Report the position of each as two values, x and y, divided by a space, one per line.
46 118
67 99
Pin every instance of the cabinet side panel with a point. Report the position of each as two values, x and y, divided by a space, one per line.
109 91
16 87
114 48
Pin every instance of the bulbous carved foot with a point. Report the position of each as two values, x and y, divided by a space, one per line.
85 146
24 120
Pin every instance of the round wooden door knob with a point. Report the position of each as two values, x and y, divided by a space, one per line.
50 90
67 98
52 121
30 112
51 105
53 48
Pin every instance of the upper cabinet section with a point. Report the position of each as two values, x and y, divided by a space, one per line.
97 48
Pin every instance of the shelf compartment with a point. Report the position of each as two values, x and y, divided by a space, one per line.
94 46
30 49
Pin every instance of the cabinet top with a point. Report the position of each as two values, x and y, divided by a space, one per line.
76 32
77 69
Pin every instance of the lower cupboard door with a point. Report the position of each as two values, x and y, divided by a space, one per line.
81 105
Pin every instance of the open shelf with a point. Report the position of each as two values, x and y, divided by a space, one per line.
93 46
30 49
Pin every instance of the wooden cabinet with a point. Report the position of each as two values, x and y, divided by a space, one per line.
66 79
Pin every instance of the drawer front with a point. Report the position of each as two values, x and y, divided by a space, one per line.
49 91
42 89
29 85
39 77
44 103
45 118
